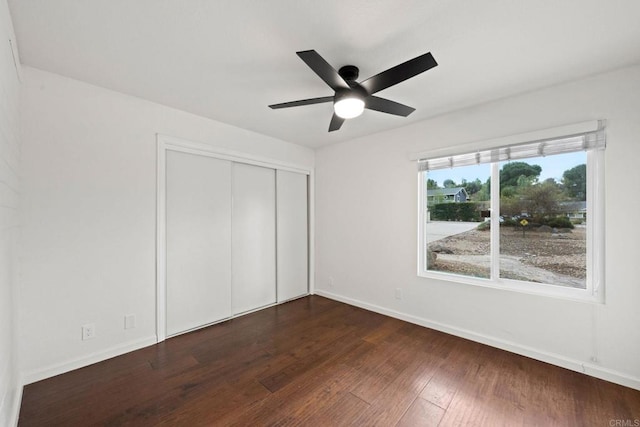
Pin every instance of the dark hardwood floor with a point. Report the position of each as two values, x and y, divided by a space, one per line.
317 362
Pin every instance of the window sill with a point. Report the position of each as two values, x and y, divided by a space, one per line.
530 288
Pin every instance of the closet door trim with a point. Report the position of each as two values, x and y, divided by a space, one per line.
165 143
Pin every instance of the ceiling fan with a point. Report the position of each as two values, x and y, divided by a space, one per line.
351 97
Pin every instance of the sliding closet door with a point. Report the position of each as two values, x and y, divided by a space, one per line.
198 240
292 235
254 237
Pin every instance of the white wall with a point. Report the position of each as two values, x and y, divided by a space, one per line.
9 219
366 239
88 246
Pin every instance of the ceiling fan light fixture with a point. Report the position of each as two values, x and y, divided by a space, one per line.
348 107
352 97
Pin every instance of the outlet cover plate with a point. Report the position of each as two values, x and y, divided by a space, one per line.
88 331
130 321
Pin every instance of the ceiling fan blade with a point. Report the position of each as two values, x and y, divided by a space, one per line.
387 106
336 122
302 102
323 69
399 73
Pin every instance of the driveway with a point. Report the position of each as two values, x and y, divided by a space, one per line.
437 230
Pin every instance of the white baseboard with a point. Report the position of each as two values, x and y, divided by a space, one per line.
61 368
10 397
552 358
15 410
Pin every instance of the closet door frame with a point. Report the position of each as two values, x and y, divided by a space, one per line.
165 143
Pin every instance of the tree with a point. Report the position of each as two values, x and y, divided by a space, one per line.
508 192
449 183
431 184
485 191
543 198
575 182
473 186
514 173
526 181
511 206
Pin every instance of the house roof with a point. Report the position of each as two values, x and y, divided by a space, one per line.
445 191
574 206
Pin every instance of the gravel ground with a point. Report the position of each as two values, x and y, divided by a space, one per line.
539 256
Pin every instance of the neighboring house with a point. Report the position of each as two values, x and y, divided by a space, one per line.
447 195
574 210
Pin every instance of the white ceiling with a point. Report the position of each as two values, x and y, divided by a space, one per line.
228 59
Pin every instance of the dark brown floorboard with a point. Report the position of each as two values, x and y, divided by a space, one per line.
314 361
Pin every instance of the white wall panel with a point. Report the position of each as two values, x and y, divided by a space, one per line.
10 222
292 230
198 218
254 237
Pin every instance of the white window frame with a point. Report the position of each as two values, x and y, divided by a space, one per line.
595 257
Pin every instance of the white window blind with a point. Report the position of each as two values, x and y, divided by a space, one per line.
546 147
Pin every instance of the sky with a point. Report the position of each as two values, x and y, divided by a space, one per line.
552 167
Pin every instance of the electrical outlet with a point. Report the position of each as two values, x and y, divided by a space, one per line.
130 321
331 280
398 293
88 331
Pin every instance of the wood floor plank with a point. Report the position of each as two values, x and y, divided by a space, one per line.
197 387
421 413
206 409
389 326
393 401
294 396
314 361
451 374
301 366
476 403
322 398
343 410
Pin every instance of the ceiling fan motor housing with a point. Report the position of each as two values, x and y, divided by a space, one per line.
349 73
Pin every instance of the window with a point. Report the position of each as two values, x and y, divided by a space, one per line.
525 216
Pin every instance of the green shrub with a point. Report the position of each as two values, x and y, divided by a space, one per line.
466 211
555 221
560 222
484 226
509 222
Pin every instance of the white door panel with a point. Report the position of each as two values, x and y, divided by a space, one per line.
292 226
253 237
198 240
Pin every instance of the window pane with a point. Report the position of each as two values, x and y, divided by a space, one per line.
458 237
543 209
